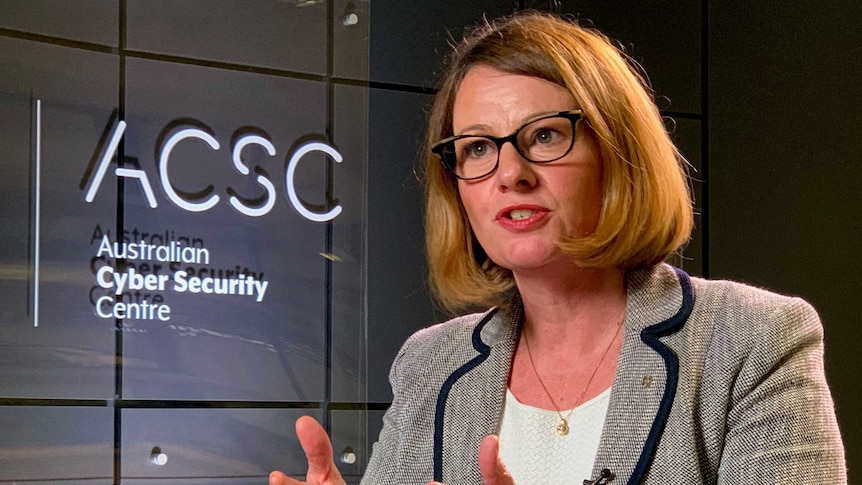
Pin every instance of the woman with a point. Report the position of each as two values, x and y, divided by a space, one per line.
558 197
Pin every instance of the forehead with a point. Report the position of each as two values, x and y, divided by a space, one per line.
497 101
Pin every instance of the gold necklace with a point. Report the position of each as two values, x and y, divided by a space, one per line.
563 425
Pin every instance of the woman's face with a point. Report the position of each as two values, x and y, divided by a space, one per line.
519 212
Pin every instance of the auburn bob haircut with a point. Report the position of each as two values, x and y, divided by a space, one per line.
646 210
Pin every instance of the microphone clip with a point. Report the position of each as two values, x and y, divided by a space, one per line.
605 477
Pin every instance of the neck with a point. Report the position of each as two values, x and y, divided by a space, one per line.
574 307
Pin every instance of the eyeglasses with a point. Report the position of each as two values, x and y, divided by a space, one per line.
541 140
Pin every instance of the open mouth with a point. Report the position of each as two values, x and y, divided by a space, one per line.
519 214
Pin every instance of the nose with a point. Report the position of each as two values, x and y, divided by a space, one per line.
514 172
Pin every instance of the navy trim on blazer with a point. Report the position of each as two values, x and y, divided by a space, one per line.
484 351
650 336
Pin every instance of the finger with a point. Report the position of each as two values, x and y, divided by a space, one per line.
318 451
491 467
278 478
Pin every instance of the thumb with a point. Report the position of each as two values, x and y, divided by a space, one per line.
318 451
493 470
279 478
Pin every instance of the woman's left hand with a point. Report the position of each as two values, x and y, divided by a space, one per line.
491 467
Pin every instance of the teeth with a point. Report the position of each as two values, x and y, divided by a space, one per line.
519 214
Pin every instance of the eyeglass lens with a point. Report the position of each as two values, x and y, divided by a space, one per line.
543 140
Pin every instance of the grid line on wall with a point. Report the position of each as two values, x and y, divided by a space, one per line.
59 41
704 138
328 238
118 337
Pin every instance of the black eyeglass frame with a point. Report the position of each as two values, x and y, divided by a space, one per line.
440 147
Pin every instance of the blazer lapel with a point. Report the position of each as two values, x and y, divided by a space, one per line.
659 301
479 385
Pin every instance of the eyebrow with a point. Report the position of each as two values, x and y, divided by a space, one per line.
471 128
484 128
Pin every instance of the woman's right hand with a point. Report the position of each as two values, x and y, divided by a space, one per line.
318 451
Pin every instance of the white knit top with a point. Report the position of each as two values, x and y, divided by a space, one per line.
533 451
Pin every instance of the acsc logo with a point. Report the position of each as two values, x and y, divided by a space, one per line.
188 135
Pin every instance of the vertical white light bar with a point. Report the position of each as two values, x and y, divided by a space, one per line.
38 209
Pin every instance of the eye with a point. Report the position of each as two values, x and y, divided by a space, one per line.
546 139
545 135
474 148
477 149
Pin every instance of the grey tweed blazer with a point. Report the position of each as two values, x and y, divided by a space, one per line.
717 383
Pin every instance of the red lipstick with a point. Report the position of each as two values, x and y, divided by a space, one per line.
522 217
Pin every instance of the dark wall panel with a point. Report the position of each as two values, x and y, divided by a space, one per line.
351 25
349 445
226 443
663 36
63 443
349 250
95 21
52 344
407 44
268 346
686 134
280 35
398 301
784 148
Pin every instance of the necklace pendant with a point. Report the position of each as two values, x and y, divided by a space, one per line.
563 427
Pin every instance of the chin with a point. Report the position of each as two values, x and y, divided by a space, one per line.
534 260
